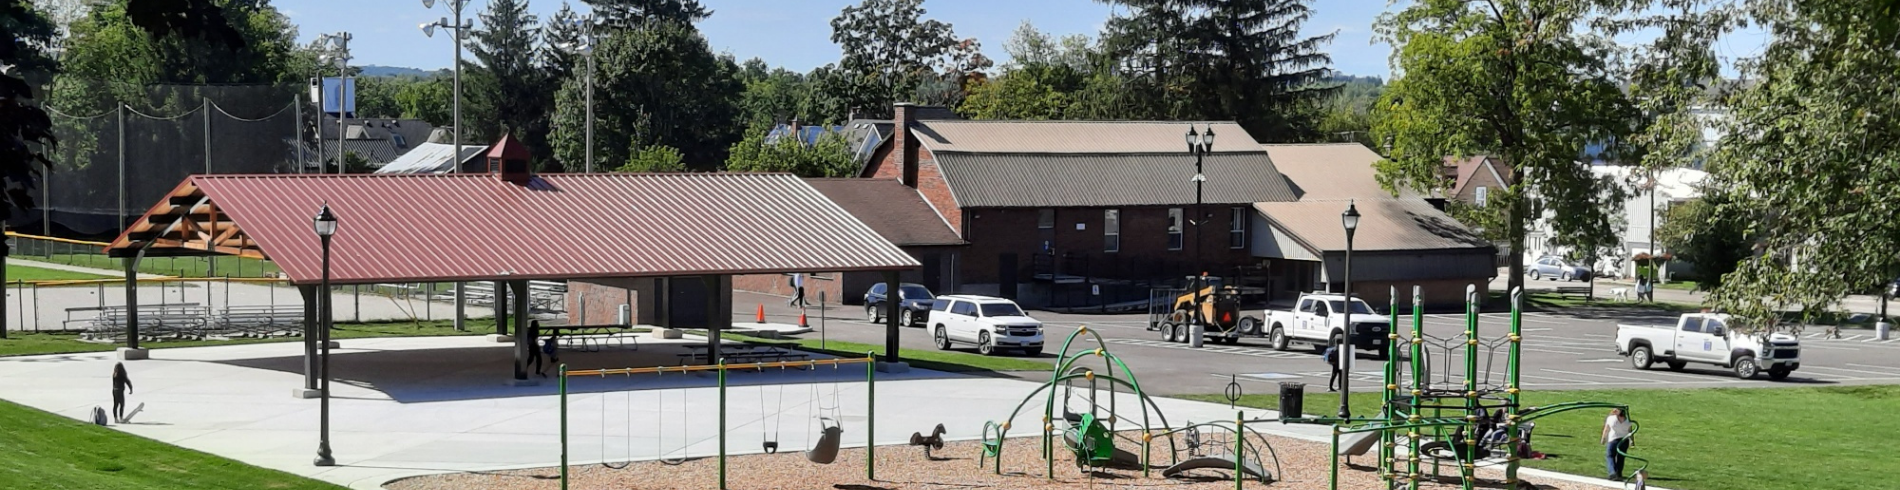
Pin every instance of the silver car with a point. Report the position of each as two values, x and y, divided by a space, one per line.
1557 268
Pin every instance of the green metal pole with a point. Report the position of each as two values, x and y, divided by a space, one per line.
1334 481
1471 386
1512 390
563 383
722 424
870 419
1146 435
1387 453
1240 441
1418 386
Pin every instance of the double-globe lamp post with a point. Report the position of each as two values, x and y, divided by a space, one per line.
325 225
1200 144
1346 352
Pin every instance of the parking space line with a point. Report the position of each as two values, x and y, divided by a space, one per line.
1877 367
1816 345
1605 376
1849 370
1567 353
1597 335
1704 379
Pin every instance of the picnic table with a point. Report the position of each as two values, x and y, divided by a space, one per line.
591 338
742 353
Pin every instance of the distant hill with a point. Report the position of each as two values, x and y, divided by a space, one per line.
392 71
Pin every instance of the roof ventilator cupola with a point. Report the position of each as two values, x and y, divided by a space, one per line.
509 158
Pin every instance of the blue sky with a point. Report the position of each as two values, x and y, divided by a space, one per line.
796 34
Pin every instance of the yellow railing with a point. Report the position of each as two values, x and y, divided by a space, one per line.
101 245
715 367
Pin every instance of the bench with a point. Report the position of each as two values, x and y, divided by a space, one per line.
591 338
261 321
1572 290
542 295
742 353
156 322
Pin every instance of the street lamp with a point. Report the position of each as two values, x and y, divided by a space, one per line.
1199 144
325 226
1350 219
586 48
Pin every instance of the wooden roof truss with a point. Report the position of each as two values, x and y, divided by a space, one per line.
186 223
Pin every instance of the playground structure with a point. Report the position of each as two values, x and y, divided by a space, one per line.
1095 434
1420 406
831 429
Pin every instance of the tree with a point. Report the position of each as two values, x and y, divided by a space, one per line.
125 45
656 85
1217 59
1709 233
829 156
509 89
629 14
1029 46
564 31
655 158
889 49
26 133
376 96
427 100
1030 91
1813 144
1523 81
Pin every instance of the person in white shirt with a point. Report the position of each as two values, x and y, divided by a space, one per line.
798 291
1616 441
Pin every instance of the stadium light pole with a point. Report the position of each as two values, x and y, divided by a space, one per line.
341 42
325 226
586 48
1350 219
1199 144
455 124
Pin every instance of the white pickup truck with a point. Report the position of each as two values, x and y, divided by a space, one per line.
1706 338
1319 319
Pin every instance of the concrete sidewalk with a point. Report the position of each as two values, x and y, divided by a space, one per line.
415 406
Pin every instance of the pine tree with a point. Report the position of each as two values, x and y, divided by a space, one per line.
508 91
623 14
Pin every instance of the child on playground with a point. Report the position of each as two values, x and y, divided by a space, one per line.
548 346
1616 441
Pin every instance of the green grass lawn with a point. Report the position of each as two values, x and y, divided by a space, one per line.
1677 285
27 344
936 360
1712 439
170 266
29 273
43 450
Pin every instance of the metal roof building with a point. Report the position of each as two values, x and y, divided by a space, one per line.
512 228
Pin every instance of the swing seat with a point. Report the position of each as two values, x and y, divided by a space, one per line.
771 447
826 450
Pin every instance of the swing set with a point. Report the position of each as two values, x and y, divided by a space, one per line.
826 420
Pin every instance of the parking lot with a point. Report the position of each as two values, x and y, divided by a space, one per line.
1564 350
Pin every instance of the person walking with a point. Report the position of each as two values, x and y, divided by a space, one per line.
534 347
1616 441
551 346
1331 356
798 291
121 385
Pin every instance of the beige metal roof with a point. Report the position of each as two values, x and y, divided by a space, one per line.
895 211
1330 171
980 180
1384 225
1075 136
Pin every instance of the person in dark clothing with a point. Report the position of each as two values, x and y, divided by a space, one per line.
1332 362
534 347
121 385
550 346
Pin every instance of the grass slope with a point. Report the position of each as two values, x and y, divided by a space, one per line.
43 450
1712 439
29 273
27 343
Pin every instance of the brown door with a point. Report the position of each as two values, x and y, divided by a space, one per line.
1006 276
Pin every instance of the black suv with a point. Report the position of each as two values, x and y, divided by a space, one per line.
913 305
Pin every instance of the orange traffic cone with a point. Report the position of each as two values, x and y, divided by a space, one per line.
761 317
801 320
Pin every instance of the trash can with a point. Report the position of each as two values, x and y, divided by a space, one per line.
1196 333
1292 400
1881 329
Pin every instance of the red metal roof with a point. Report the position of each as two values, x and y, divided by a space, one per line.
413 228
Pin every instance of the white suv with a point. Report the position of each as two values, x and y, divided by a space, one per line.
990 323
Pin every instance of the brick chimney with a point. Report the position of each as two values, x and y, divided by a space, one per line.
509 160
902 147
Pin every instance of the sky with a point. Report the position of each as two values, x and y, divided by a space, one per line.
796 34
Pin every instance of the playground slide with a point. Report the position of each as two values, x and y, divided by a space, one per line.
1224 462
1358 443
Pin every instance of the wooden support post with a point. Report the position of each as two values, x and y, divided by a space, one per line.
523 344
132 301
890 317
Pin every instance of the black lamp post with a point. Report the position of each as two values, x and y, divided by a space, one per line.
1199 144
1350 219
325 225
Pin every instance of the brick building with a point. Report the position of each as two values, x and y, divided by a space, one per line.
1080 212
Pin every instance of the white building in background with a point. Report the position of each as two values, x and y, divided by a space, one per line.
1647 204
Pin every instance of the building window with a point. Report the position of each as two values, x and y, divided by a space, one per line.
1045 219
1480 194
1111 230
1174 228
1237 228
